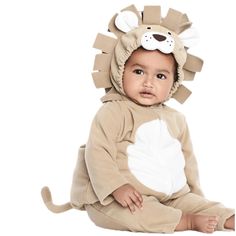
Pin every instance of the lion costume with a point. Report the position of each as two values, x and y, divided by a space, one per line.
147 147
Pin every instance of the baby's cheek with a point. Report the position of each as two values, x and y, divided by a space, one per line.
163 96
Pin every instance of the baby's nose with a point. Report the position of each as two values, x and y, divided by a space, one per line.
148 82
159 37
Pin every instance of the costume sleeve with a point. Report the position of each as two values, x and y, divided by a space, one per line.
191 166
101 151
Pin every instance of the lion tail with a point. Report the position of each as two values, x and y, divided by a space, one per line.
47 198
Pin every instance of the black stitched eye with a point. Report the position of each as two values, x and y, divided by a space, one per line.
169 33
149 27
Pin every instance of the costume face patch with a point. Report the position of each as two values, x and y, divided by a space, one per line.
156 40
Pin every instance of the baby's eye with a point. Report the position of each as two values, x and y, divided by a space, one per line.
138 72
161 76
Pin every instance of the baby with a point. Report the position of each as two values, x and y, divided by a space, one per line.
138 171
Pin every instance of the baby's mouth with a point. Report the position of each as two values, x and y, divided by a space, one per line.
146 94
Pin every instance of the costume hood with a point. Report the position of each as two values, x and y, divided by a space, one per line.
172 34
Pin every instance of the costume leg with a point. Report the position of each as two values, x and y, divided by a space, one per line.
195 204
154 217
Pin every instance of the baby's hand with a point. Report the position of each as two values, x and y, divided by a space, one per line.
128 196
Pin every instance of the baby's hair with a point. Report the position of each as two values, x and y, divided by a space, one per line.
176 75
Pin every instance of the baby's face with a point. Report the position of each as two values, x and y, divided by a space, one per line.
148 76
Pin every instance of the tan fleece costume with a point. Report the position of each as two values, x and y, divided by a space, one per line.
147 147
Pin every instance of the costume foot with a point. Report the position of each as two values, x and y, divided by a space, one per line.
205 224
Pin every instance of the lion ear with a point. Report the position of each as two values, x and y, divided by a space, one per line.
126 21
189 37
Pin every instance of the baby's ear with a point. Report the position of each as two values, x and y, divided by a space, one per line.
189 37
126 21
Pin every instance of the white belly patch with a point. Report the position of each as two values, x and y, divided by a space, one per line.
156 158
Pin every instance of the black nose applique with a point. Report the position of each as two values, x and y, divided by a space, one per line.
159 37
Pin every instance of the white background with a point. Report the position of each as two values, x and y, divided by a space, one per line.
47 102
